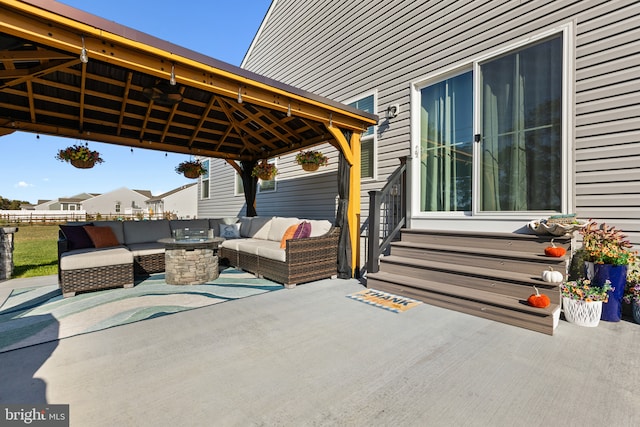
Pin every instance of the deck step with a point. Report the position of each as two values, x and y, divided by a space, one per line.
485 240
489 305
506 260
485 274
510 283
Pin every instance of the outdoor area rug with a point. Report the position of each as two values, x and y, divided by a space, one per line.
36 315
385 300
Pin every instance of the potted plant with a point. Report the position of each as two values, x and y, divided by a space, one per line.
607 254
632 291
311 160
265 171
79 156
191 169
582 301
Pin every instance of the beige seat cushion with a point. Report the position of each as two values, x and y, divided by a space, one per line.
151 248
235 243
271 250
90 258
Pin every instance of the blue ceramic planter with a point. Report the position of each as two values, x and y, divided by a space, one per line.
617 276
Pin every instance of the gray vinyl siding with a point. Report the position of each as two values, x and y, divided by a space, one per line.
342 49
607 151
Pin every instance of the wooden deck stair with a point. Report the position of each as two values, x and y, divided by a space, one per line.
488 275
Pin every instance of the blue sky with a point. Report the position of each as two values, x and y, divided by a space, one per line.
220 29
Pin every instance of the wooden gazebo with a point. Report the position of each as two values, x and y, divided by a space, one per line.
68 73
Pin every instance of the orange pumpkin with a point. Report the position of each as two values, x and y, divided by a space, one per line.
538 300
554 251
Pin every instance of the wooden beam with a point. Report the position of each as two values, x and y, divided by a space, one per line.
235 165
343 145
117 140
123 104
58 32
202 120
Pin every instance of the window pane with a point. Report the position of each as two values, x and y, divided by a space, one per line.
205 189
446 147
365 104
205 165
521 107
366 158
239 184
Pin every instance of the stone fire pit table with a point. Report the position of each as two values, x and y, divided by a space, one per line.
191 261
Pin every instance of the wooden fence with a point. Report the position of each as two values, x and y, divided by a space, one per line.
57 216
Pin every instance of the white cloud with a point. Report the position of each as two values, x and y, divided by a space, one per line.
23 184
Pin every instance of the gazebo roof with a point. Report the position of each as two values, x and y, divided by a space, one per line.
121 94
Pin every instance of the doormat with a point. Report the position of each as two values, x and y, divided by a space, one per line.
385 300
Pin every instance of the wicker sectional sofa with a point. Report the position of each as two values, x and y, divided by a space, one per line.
137 252
134 250
260 250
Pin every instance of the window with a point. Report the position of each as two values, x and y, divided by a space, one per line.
266 186
367 139
204 181
117 207
516 164
239 187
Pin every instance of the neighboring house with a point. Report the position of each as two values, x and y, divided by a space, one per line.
509 111
180 203
73 203
119 201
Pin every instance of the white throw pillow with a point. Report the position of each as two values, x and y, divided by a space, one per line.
230 231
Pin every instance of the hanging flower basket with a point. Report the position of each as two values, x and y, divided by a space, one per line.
191 169
82 164
311 160
265 171
80 156
310 167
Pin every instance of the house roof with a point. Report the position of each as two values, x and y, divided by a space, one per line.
119 92
145 193
168 193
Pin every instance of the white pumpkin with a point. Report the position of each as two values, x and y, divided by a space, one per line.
552 276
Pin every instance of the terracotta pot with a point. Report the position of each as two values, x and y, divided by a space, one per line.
310 167
82 164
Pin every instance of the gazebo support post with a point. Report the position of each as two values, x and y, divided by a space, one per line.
351 151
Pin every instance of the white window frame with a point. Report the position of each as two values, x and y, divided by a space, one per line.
206 180
568 57
374 135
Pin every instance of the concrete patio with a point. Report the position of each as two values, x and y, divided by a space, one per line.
311 356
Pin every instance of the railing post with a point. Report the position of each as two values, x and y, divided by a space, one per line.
373 243
403 187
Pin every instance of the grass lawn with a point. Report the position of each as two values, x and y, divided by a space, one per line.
35 251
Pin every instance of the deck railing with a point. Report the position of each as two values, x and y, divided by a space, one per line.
387 215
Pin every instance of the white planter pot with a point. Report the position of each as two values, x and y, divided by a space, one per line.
582 313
